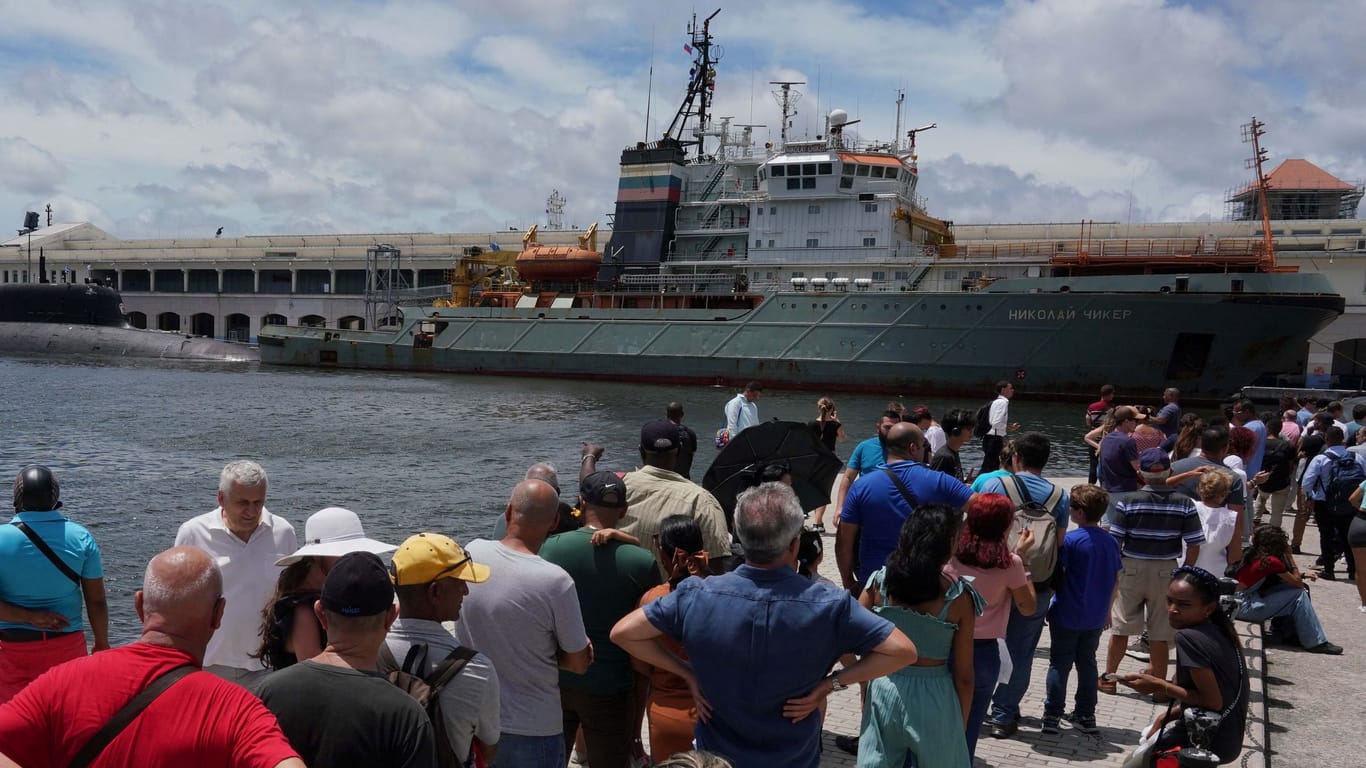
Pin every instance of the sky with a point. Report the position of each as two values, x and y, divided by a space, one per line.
171 118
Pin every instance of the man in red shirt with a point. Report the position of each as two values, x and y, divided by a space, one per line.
200 720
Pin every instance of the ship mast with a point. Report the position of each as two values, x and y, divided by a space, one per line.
787 100
1252 133
701 86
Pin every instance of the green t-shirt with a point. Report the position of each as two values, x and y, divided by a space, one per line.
609 580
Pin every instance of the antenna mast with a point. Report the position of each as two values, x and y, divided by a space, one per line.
554 210
1251 134
896 134
787 99
701 86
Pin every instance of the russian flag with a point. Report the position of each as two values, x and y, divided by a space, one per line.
687 48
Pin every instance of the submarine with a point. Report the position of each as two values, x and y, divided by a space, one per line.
87 319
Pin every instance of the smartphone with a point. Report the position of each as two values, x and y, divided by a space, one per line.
1110 677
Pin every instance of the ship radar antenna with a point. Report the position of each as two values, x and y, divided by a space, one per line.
1252 133
701 85
911 135
554 210
787 100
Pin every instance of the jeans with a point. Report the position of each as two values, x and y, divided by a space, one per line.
607 724
1284 600
516 751
1068 648
1022 637
986 666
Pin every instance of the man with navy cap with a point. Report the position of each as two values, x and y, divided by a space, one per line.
610 576
1165 517
335 708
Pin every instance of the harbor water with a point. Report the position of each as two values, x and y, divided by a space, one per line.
138 445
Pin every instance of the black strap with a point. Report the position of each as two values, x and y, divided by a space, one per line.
46 550
128 714
900 486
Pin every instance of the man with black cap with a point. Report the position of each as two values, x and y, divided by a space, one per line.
50 565
656 491
431 576
1165 517
335 708
610 576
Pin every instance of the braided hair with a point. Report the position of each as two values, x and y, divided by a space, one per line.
1206 585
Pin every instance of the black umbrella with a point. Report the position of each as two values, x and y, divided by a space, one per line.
774 443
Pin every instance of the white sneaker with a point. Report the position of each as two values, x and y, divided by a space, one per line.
1363 609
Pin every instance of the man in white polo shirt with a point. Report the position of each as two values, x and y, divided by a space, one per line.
246 540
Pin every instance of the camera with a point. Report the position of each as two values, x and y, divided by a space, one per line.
1228 599
1200 725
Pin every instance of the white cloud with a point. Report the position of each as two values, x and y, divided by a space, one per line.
337 115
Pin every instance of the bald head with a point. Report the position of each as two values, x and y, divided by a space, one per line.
902 438
181 580
545 472
534 502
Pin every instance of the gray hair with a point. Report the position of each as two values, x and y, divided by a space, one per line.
242 472
545 472
694 759
767 519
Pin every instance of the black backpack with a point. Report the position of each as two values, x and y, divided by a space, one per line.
1345 475
427 689
982 425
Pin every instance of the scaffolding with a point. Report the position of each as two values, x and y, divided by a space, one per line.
385 286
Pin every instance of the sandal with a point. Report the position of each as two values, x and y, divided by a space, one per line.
818 528
1107 686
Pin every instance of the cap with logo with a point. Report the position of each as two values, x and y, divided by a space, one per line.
603 489
358 585
427 557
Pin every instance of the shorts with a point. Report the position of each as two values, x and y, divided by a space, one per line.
1356 533
1142 592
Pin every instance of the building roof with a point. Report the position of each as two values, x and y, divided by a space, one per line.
78 230
1300 175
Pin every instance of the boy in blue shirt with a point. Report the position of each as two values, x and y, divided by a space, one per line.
1090 564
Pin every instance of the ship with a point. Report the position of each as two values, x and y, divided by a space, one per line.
88 320
814 264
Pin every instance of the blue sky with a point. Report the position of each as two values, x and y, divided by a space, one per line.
168 118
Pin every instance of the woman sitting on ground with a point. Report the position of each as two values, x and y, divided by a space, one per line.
670 706
922 709
998 575
1210 672
1271 586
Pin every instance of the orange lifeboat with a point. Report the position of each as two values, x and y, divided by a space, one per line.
558 263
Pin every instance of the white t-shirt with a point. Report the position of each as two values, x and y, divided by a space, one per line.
470 701
999 415
249 577
741 414
521 618
1218 524
935 434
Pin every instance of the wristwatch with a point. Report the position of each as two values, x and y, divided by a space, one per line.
835 684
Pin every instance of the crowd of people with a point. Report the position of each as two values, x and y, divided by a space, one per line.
640 605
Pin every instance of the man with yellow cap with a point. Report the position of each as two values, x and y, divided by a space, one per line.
430 572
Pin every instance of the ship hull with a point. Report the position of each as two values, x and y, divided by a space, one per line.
1051 344
109 341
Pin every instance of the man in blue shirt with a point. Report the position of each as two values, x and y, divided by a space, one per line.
742 411
875 508
1245 415
760 641
867 456
41 594
1168 419
1023 630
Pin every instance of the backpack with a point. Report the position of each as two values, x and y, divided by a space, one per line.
1344 476
427 690
1042 559
982 426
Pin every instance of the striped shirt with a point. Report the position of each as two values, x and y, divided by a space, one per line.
1151 524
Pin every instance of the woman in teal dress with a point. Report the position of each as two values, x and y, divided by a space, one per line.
921 710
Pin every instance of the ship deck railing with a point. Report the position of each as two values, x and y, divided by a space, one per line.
1097 253
901 253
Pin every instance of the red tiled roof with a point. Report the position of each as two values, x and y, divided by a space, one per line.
1300 174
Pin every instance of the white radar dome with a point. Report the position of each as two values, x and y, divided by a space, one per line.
838 117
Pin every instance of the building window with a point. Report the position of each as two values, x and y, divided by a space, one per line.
813 209
950 274
827 168
758 243
761 210
809 169
770 243
902 274
795 183
879 275
799 274
877 171
809 183
773 211
861 170
846 182
812 242
870 207
891 173
768 275
830 275
869 242
779 170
